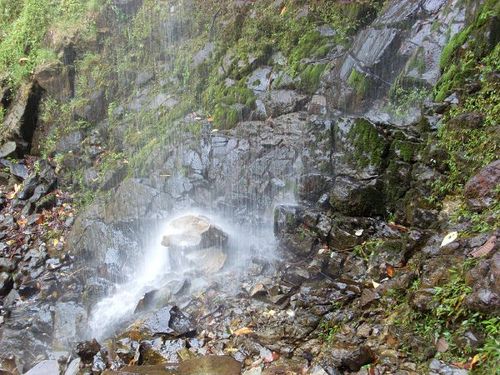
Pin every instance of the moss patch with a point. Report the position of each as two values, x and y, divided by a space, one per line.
368 145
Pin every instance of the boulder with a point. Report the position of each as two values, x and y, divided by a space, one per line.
480 190
55 79
280 102
21 117
193 232
169 320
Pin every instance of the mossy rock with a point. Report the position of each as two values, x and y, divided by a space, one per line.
310 78
405 150
369 146
359 82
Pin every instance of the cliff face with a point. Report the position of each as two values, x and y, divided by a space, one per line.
376 123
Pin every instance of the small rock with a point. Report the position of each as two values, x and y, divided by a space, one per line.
7 149
87 350
440 368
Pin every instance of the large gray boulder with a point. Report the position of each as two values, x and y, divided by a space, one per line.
195 241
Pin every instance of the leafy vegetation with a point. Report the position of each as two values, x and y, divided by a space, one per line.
448 319
25 26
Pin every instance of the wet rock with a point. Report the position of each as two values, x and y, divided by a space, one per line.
210 365
7 149
70 142
87 350
6 283
55 79
480 189
354 198
69 322
352 360
280 102
169 320
438 367
194 232
7 265
49 367
132 200
96 107
483 279
368 296
21 117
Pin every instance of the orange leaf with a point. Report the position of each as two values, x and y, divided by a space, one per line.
242 331
390 270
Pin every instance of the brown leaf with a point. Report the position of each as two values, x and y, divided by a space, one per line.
485 249
242 331
390 270
397 227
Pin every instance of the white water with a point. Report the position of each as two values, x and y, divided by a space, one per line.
114 310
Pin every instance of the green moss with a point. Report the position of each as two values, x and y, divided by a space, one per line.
359 82
225 117
405 150
455 42
310 78
369 146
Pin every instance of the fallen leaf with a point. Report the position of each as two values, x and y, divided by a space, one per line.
22 221
283 11
359 232
210 119
242 331
485 249
55 241
397 227
375 284
449 238
390 270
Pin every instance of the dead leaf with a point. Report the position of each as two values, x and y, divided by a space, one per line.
485 249
449 238
22 221
390 271
283 11
397 227
242 331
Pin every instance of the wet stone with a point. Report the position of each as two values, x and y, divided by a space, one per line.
87 350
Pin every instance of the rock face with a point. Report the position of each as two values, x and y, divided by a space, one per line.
21 118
